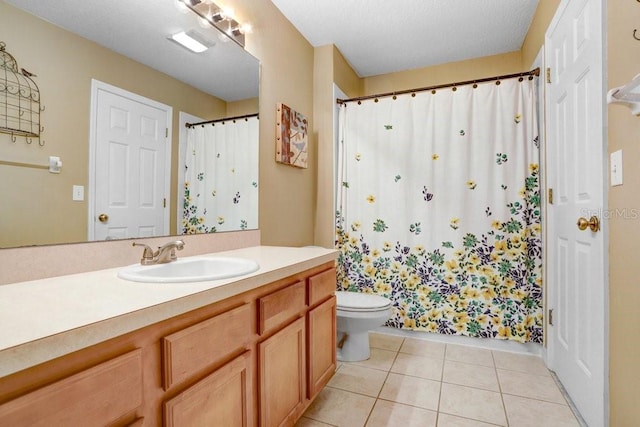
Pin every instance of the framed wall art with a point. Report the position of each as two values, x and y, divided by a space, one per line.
292 137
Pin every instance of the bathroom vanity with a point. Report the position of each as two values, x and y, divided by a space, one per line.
92 349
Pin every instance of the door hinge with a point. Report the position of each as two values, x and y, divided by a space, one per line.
164 202
548 74
166 132
550 196
551 316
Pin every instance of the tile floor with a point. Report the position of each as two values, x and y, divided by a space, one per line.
411 382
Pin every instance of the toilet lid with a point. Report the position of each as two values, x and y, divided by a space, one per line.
361 301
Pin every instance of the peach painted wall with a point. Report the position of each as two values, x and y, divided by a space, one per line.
534 39
623 63
287 194
451 72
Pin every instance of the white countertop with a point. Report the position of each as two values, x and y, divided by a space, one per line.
44 319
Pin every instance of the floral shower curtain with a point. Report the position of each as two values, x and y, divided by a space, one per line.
439 208
221 177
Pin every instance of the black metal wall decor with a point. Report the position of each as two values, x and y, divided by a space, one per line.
20 106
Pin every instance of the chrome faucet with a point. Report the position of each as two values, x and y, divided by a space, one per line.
165 253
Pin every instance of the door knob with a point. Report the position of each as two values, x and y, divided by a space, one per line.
592 223
103 217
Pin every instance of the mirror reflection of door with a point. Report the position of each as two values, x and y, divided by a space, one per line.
130 154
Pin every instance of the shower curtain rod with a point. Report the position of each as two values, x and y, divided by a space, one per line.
534 72
226 119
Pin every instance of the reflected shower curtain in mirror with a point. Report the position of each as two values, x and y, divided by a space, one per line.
221 181
439 208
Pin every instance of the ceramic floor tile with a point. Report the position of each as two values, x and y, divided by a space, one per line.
520 362
423 348
385 341
473 355
308 422
532 386
379 359
411 391
466 374
340 408
472 403
388 414
359 379
446 420
523 412
418 366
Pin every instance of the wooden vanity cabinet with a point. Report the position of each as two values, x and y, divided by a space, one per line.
296 362
255 359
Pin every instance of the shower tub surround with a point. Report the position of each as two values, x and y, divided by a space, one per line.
95 327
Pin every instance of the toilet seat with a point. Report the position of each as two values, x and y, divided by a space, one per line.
361 302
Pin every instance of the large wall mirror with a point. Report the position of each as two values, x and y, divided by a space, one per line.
73 47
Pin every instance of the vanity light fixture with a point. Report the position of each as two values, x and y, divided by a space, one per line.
241 30
220 18
189 42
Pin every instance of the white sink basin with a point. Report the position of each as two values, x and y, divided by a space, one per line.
189 270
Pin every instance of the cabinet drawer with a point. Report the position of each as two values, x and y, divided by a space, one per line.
194 349
322 286
277 308
97 396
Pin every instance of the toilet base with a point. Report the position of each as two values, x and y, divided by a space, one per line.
355 347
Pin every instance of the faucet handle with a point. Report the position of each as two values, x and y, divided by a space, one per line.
147 255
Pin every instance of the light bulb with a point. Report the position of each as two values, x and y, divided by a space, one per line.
228 13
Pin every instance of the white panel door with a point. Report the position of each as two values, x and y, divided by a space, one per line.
575 159
131 166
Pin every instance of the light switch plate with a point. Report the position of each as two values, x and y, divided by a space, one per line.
616 168
78 193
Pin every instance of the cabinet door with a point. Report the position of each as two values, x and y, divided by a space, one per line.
224 398
322 345
282 375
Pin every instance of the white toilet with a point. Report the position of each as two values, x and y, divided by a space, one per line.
357 314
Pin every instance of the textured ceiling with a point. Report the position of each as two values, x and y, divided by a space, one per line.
375 36
139 29
383 36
